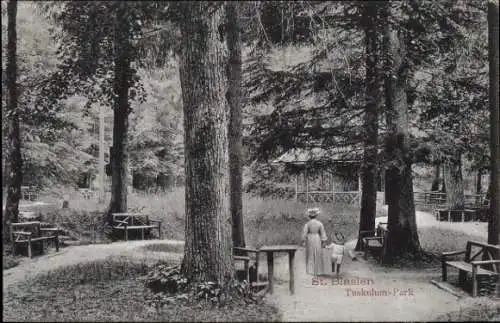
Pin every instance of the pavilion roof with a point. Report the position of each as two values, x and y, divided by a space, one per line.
321 155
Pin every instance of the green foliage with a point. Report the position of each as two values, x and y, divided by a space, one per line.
170 286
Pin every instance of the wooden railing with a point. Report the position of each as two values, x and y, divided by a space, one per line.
433 199
348 198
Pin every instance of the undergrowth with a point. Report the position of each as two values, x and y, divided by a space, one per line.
114 290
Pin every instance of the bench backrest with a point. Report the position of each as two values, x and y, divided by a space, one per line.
33 227
132 218
476 249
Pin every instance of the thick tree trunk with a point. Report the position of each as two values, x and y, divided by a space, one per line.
119 152
370 154
235 122
205 89
402 238
15 175
453 179
494 220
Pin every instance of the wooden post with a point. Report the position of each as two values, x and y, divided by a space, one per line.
333 187
296 186
307 186
474 281
29 247
291 256
270 270
443 268
360 188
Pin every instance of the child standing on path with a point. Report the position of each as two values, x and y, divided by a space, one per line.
337 248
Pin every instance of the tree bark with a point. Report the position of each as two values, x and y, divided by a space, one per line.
402 239
437 178
479 181
370 145
453 179
14 168
205 89
494 220
121 110
235 122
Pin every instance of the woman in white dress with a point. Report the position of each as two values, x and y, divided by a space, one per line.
314 237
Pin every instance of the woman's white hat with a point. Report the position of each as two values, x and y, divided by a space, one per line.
315 211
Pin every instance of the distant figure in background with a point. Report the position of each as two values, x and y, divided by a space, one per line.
313 238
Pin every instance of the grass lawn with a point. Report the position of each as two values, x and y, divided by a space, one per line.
111 290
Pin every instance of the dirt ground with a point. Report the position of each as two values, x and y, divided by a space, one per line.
372 293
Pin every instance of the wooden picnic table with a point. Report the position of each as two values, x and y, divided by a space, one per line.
270 250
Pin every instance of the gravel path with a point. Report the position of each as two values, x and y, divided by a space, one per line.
374 293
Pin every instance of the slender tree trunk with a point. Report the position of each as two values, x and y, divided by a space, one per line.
14 177
437 178
402 238
235 123
494 220
119 151
479 181
370 153
205 89
443 183
454 182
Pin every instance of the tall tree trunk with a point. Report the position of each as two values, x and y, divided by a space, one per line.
437 178
402 238
479 181
121 110
370 145
443 186
453 179
14 168
494 220
205 89
235 122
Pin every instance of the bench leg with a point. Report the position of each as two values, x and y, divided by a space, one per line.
443 270
462 277
142 233
291 257
126 233
159 231
247 271
474 281
29 249
270 271
57 242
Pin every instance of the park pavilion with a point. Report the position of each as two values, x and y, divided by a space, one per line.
325 175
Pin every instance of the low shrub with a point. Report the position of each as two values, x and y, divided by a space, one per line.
9 261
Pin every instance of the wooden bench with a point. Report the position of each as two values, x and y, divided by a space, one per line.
30 233
29 193
470 265
251 272
374 240
131 221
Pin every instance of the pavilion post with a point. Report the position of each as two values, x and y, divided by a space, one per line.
307 185
360 184
333 187
296 186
